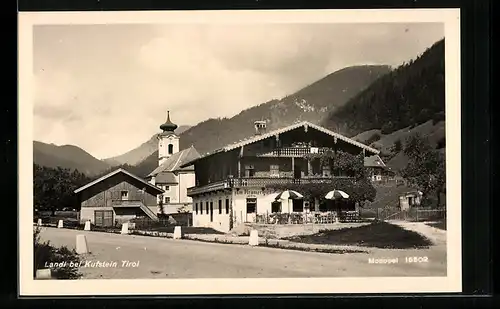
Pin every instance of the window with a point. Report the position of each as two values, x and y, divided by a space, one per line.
207 207
124 195
276 206
170 149
220 207
275 169
166 188
251 205
196 208
227 206
167 199
249 171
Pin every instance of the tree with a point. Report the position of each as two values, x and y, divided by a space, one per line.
426 167
160 205
183 209
53 187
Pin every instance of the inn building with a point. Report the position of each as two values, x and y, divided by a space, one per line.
234 183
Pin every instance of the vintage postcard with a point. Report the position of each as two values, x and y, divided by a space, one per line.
239 152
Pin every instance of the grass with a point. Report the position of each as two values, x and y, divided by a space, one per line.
377 234
280 246
45 253
439 225
307 249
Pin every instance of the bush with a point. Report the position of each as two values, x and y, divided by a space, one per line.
44 253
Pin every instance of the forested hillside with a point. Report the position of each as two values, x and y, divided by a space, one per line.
408 96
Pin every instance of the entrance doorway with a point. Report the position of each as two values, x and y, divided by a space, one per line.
103 218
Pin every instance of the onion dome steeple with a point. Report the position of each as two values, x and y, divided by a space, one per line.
168 126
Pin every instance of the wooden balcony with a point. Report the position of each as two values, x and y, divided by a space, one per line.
259 182
289 152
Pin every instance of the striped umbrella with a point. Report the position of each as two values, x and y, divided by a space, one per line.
289 194
336 194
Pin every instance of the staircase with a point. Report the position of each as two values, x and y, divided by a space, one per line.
149 213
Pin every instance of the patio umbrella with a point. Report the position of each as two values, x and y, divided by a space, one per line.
336 194
289 194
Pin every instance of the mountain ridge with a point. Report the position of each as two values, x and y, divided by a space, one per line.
138 154
309 103
67 156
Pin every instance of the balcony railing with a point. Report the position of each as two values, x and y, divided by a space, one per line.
124 202
259 182
294 151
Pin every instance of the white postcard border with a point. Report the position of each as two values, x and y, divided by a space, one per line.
451 283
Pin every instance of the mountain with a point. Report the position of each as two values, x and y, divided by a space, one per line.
67 156
408 96
140 153
408 100
310 103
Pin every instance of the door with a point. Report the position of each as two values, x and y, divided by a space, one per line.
211 212
103 218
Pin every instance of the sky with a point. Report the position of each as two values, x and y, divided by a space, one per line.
107 88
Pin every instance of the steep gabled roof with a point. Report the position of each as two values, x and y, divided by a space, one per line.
374 161
256 138
176 161
166 178
120 170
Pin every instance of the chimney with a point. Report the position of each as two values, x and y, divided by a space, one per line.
260 127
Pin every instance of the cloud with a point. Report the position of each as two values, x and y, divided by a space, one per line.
115 83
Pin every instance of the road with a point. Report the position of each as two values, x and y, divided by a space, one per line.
168 258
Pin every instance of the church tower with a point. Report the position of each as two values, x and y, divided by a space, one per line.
168 141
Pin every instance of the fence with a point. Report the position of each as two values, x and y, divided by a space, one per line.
413 214
47 216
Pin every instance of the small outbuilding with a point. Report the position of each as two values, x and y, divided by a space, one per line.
410 199
116 198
